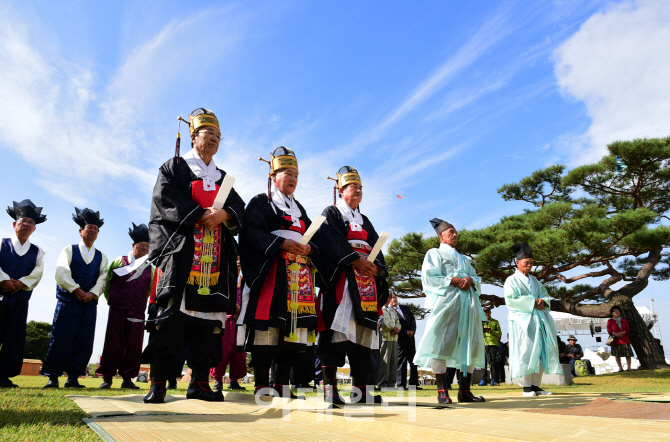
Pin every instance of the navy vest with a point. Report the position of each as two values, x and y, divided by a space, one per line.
86 275
15 266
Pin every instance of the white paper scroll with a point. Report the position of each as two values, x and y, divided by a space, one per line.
224 191
312 229
378 246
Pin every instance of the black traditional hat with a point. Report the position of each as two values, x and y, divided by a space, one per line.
87 216
139 233
522 250
440 225
26 209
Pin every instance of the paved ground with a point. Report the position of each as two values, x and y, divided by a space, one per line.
501 418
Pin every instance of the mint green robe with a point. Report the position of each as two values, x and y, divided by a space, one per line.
532 332
454 330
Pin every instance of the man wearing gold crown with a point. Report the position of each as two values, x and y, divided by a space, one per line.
21 268
192 243
278 316
356 290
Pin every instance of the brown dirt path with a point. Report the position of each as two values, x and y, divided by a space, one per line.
614 409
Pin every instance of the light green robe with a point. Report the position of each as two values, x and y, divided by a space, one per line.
532 332
454 330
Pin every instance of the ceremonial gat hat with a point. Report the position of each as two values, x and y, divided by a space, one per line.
440 225
202 117
522 250
347 175
87 216
26 209
139 233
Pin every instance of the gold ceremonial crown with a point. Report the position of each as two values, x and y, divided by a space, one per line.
282 158
202 117
347 175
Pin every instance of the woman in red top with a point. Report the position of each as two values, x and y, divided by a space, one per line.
618 328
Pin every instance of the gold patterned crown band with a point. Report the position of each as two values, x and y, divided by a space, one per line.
348 178
282 162
202 120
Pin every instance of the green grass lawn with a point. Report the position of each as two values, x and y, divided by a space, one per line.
30 413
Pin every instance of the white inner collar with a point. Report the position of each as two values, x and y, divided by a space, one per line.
353 216
20 249
207 172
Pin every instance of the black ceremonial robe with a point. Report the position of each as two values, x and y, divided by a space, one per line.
260 256
172 244
336 257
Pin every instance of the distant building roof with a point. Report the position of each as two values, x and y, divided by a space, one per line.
32 361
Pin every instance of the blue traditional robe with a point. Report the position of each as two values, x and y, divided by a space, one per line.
532 332
73 325
23 262
454 330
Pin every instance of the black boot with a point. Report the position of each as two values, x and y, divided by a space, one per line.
261 380
199 387
128 383
218 386
172 384
330 393
53 382
282 382
464 393
362 396
442 388
73 382
106 383
157 391
6 383
234 385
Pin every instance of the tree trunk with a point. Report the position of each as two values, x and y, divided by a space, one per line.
643 342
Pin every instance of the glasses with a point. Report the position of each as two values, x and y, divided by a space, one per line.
211 133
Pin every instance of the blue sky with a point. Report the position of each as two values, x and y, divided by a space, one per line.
442 102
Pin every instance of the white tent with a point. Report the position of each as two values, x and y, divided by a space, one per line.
567 322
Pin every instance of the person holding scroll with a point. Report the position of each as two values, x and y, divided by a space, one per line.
191 241
278 316
355 289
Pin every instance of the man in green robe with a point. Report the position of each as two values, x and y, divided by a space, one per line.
454 336
533 348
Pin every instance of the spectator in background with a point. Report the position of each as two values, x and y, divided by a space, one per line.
501 360
575 353
375 356
618 328
562 351
492 334
406 346
389 349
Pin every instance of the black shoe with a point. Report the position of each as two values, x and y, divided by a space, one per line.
467 396
172 384
156 393
199 387
286 392
128 383
106 383
464 394
331 395
363 395
73 383
234 385
6 383
442 389
53 383
218 386
200 390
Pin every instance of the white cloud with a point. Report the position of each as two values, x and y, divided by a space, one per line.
617 65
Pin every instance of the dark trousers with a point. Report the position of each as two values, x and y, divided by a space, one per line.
375 363
13 317
201 347
333 355
406 356
72 335
123 344
303 368
491 370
